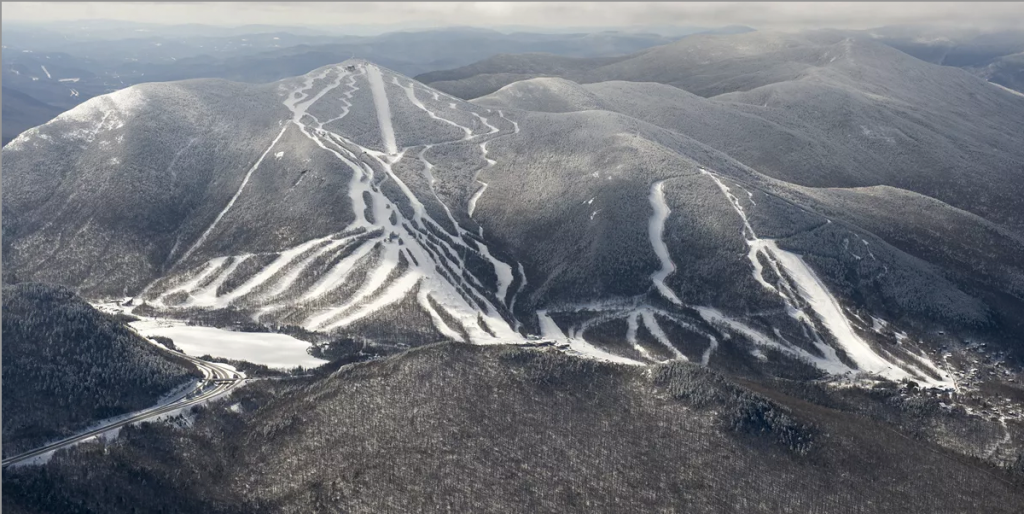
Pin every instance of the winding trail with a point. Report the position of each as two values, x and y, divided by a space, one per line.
656 232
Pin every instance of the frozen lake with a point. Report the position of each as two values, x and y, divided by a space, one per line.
274 350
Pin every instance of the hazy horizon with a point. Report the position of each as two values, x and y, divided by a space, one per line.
782 16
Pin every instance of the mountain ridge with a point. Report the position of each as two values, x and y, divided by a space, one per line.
422 222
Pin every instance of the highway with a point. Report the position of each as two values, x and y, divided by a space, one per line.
217 380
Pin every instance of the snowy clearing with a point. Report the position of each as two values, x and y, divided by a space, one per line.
274 350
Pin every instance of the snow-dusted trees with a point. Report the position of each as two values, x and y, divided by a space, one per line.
66 365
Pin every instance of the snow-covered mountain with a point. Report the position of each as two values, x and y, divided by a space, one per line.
356 201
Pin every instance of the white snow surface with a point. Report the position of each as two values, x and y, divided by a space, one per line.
652 324
455 301
1008 90
655 230
380 101
410 93
273 350
471 204
120 103
633 321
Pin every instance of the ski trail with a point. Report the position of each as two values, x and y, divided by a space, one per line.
811 289
284 259
303 105
436 263
208 269
428 173
234 198
338 273
633 320
411 94
372 284
289 279
471 205
299 95
380 101
501 269
346 100
830 313
417 205
494 130
549 330
423 298
714 316
705 358
208 294
522 285
656 231
515 126
391 294
490 162
652 324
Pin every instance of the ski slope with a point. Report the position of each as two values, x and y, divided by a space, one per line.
411 246
381 259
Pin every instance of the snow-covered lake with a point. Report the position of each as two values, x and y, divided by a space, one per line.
274 350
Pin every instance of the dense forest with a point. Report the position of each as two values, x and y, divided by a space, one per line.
67 365
461 428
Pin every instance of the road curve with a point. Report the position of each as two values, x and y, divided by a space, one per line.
217 380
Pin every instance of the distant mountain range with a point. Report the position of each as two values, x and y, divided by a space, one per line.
991 56
64 66
85 59
22 112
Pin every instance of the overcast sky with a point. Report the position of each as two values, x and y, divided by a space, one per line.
760 15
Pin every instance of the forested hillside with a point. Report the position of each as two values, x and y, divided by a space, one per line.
66 365
461 428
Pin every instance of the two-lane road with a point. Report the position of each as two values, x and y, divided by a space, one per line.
217 380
